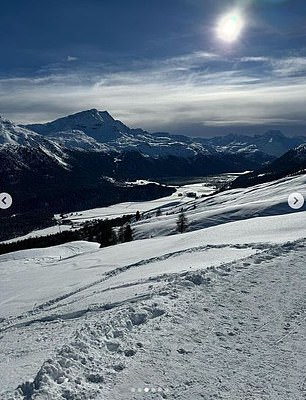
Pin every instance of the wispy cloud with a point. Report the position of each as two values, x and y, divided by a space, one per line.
255 59
290 67
71 58
198 89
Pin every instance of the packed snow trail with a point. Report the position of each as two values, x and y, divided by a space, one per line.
233 332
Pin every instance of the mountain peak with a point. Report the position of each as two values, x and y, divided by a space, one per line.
91 115
98 124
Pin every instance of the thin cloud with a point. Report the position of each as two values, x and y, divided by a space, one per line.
179 92
71 58
255 59
290 67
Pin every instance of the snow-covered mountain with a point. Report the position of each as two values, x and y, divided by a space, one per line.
77 161
77 140
98 124
92 128
17 140
273 143
95 130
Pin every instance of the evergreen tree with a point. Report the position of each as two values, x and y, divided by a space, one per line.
181 222
104 234
137 215
128 233
121 234
158 212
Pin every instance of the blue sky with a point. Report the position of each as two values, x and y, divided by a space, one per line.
156 64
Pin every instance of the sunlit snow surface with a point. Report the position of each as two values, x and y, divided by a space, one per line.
217 312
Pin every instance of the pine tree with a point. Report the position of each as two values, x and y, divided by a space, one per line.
128 233
104 235
181 222
121 234
158 213
137 215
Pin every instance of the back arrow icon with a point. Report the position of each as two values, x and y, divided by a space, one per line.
5 201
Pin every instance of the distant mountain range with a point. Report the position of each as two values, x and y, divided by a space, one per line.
273 143
84 160
95 144
291 163
95 130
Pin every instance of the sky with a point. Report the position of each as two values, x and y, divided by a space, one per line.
162 65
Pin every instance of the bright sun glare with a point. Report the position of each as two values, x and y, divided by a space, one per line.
229 27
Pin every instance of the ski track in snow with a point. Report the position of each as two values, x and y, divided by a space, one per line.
236 331
9 323
166 317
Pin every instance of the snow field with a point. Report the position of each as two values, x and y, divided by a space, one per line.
216 312
206 334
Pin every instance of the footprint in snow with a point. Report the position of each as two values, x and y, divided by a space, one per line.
129 353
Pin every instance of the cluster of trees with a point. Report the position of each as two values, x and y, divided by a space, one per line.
106 232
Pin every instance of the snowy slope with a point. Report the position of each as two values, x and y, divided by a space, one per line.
72 221
13 136
137 282
217 311
231 205
77 140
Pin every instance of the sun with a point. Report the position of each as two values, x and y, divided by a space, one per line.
230 26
